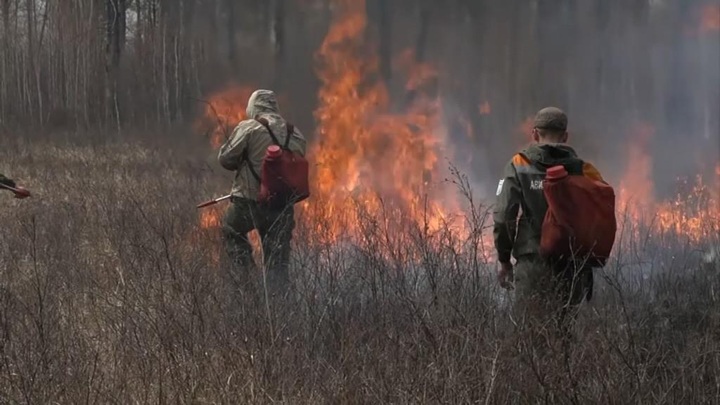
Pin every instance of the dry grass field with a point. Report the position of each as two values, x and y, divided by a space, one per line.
112 292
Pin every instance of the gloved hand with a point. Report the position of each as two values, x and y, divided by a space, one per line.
6 181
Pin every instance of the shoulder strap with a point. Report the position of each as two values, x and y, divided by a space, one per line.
246 159
266 124
290 132
575 167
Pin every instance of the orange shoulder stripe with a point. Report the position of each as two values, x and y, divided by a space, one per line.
520 160
591 172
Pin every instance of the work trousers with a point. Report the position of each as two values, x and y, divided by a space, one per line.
548 293
275 227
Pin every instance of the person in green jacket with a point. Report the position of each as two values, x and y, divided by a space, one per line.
243 154
543 287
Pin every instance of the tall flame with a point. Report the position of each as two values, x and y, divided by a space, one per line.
369 161
364 153
366 160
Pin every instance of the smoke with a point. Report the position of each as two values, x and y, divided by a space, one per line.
612 67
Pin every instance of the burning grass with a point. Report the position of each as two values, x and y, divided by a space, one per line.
114 289
693 214
110 292
392 165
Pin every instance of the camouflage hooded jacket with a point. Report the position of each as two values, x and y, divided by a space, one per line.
250 139
521 188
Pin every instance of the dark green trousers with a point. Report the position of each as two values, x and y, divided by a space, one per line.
275 228
548 293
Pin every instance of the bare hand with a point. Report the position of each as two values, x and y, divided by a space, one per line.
506 276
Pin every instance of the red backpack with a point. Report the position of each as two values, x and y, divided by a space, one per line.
284 175
580 220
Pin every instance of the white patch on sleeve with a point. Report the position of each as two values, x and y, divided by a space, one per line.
499 189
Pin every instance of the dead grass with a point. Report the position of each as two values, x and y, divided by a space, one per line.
109 293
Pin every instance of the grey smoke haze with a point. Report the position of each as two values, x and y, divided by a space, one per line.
609 63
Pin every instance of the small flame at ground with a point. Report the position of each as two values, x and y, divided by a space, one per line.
210 217
636 187
694 213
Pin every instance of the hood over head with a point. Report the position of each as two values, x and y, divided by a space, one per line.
262 102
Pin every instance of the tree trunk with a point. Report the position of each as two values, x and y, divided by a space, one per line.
231 51
6 62
30 72
379 31
114 44
277 36
422 37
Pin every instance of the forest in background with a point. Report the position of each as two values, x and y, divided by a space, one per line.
114 288
123 65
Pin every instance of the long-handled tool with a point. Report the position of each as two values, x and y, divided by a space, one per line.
215 201
20 192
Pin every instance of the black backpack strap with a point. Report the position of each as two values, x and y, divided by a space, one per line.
246 158
290 132
266 124
574 167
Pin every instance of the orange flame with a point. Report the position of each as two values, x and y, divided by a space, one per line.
485 108
694 213
710 18
386 162
210 217
636 186
223 111
419 75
